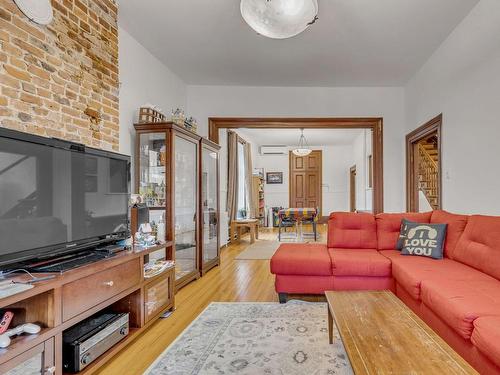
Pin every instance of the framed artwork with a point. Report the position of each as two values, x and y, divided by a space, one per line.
274 177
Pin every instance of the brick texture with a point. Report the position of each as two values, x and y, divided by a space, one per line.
52 77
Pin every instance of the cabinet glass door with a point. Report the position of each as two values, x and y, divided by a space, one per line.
186 190
152 178
209 205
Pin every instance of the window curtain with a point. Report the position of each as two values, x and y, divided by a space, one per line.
249 182
232 175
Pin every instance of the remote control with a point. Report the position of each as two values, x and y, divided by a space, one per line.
27 327
5 322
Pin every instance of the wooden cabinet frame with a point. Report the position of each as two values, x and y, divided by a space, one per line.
170 131
214 147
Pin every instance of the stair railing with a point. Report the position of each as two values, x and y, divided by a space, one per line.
428 176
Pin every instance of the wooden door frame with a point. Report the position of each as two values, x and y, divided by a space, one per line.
320 205
351 190
373 123
432 126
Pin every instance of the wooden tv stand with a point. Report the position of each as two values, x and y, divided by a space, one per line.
113 284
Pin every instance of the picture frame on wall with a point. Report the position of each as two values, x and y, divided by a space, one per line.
274 177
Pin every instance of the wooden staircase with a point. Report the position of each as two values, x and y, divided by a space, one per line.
428 171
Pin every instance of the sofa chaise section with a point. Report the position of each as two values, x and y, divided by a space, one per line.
301 269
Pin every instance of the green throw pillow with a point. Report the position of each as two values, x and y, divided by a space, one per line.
424 240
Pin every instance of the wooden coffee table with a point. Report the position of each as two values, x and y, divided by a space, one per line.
382 335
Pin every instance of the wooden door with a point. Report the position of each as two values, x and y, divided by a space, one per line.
306 180
352 188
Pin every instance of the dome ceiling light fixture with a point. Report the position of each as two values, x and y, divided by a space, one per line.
279 19
38 11
303 148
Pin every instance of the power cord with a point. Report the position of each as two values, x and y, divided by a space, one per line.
34 279
3 274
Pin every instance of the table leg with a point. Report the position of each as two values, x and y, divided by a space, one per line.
279 230
252 233
257 231
239 233
330 326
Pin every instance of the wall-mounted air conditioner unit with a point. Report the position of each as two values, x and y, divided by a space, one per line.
274 150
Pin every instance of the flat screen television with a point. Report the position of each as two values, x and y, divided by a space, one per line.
57 197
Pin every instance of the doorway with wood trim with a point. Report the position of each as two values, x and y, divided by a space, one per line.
423 167
374 124
305 180
352 189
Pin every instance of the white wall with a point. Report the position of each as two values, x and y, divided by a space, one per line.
337 160
143 79
387 102
362 147
462 81
335 173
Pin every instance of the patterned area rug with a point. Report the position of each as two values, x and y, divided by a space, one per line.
256 338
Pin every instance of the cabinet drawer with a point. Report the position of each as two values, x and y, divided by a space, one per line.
157 296
83 294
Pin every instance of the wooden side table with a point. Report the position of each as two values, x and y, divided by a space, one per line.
251 224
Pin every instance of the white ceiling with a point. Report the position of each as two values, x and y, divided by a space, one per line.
354 42
290 137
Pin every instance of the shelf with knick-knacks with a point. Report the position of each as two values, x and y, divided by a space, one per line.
167 177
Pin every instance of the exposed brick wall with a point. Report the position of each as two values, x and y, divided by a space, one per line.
56 80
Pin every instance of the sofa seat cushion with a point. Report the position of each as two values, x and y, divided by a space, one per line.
352 230
410 271
389 227
460 303
359 262
479 246
301 259
456 226
486 337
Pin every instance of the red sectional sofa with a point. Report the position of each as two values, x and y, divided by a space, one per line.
458 296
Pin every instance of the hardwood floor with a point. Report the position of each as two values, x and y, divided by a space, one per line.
234 280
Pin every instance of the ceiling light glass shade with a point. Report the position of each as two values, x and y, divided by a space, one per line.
303 148
302 151
279 19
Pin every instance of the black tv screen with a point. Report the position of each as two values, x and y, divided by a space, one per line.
55 195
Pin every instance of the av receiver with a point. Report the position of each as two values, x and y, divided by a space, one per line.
87 340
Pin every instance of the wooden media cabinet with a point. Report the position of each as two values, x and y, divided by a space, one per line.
115 284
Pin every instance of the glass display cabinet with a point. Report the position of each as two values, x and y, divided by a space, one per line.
209 205
151 173
186 208
166 175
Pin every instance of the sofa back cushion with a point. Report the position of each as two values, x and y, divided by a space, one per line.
479 245
456 226
351 230
389 226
